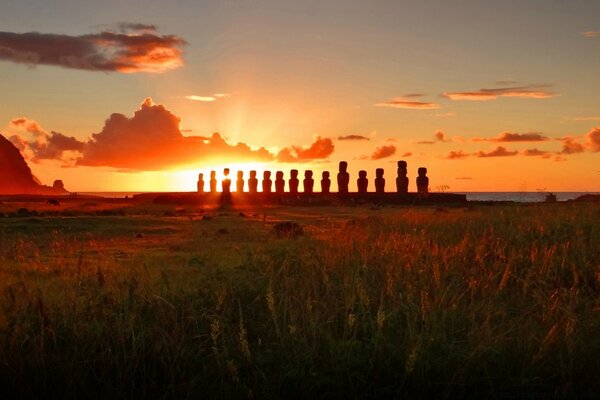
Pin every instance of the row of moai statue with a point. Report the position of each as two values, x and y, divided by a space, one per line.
343 180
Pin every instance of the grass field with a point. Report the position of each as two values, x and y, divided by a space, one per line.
125 300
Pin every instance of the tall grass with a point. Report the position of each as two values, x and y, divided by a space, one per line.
501 301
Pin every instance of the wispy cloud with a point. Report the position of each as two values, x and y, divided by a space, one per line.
586 119
531 91
499 151
590 34
445 115
134 48
402 102
353 137
206 99
514 137
456 155
464 178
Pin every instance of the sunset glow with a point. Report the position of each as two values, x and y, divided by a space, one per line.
149 103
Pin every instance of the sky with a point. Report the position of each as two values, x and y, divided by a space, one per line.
135 95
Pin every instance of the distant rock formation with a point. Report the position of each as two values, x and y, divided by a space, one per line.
16 176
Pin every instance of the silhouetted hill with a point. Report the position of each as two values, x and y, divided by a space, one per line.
16 176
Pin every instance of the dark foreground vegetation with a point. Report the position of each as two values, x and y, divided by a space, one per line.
125 301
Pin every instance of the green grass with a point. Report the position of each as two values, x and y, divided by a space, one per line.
495 301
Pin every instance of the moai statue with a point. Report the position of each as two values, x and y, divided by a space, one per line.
252 182
379 181
343 177
226 183
402 179
422 181
279 182
325 182
308 182
239 183
362 182
267 182
294 181
213 181
200 183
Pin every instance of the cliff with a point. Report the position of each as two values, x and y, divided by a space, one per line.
16 176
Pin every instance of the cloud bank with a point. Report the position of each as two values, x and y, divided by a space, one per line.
134 48
149 140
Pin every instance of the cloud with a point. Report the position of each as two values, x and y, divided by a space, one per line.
353 137
426 142
445 115
456 155
320 149
514 137
590 34
441 136
536 152
40 144
413 95
593 139
497 152
571 145
152 140
407 154
211 98
531 91
135 48
383 152
586 119
400 102
464 178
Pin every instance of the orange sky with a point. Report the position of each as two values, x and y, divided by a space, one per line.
484 97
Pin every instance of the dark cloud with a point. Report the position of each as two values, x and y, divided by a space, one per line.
353 137
464 178
426 142
514 137
137 48
320 149
499 151
383 152
456 155
531 91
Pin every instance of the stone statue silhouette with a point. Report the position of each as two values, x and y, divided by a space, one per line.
422 181
200 184
325 182
213 181
294 181
267 182
402 179
226 183
279 182
362 182
252 182
239 183
343 177
379 181
308 182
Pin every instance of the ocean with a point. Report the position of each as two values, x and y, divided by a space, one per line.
522 197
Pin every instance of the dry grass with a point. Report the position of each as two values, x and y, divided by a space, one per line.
160 302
